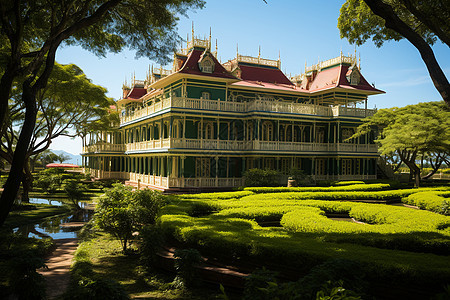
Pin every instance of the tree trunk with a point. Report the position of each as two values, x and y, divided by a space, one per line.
27 183
12 184
392 21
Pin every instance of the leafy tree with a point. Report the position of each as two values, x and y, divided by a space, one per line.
121 211
74 190
42 159
32 30
410 132
62 158
420 22
58 112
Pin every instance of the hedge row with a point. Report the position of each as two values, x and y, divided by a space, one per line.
432 201
352 187
349 195
229 233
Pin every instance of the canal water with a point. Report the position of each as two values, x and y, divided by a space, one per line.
51 227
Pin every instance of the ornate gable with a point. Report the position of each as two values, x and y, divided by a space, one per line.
206 63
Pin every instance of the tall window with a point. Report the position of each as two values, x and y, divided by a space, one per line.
320 135
320 166
346 167
267 131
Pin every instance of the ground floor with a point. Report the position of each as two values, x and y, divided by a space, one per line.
181 171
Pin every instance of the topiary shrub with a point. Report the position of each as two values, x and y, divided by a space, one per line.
301 178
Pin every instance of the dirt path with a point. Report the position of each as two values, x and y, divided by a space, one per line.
57 275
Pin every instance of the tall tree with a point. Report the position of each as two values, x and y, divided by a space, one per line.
32 30
411 132
420 22
59 114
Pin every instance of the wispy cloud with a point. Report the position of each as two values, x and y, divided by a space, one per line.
414 81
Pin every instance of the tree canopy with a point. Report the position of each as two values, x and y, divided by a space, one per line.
32 30
422 23
412 131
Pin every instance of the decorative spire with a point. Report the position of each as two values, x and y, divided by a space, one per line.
259 51
305 65
209 37
193 31
237 50
359 67
216 48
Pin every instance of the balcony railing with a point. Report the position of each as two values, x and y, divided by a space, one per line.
104 148
241 107
239 145
100 174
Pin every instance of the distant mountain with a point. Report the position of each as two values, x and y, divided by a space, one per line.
74 159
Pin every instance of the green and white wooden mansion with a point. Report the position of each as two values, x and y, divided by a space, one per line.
203 123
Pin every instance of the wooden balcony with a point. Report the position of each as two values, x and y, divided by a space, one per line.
104 148
244 107
237 145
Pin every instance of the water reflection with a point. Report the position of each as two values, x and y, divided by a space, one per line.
50 227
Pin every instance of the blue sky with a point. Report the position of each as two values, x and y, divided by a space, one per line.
299 30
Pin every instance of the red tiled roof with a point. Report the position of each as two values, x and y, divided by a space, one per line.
336 77
253 73
191 66
136 93
55 165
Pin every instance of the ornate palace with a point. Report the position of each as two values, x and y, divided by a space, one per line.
204 123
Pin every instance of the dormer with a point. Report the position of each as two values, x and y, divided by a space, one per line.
206 63
353 76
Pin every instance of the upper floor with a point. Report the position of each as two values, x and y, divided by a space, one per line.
199 83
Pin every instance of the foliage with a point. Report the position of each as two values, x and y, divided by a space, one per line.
334 291
352 187
258 177
420 22
152 240
233 232
432 201
186 261
342 183
301 178
261 284
20 257
411 131
86 284
122 212
74 190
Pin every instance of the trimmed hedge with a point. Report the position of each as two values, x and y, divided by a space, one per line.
354 187
342 183
432 201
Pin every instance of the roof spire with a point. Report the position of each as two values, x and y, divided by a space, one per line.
305 66
279 59
259 51
216 48
209 38
359 67
192 30
237 50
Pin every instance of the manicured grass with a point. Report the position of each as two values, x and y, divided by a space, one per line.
30 215
108 261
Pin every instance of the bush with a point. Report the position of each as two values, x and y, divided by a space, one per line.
186 261
122 212
261 284
432 201
74 190
258 177
349 188
301 178
341 183
152 240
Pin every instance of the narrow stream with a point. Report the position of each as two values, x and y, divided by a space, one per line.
51 227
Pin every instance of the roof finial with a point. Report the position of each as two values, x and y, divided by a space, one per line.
359 67
192 30
216 48
209 38
237 50
134 77
259 51
305 65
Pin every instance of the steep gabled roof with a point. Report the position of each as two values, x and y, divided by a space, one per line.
136 93
263 74
336 77
191 66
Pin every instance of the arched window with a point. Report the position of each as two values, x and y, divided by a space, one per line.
207 65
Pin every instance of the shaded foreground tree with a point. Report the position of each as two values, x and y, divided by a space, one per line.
420 22
32 30
121 211
411 132
58 112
